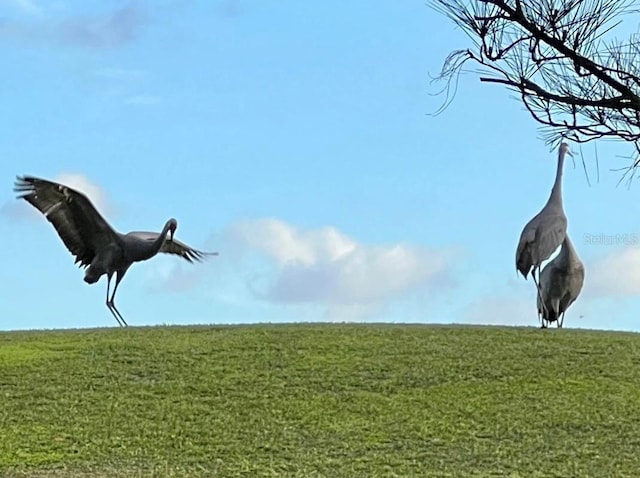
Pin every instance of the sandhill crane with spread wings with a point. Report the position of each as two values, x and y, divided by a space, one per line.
95 244
561 281
546 231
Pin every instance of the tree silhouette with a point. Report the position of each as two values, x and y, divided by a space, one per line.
559 56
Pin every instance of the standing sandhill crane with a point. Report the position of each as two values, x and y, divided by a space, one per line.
561 281
93 242
546 231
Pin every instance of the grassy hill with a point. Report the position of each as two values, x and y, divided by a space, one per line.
320 401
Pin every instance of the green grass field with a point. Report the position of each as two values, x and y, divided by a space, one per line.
320 401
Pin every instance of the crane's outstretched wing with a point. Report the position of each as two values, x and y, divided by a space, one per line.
82 229
173 247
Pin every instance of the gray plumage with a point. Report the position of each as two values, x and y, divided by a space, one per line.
95 245
561 281
546 231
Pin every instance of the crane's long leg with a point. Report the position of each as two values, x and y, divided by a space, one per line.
545 311
542 320
540 316
560 321
111 304
555 305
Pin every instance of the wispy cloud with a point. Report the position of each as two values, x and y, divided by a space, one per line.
326 267
228 8
120 74
168 275
110 29
25 6
142 100
616 274
125 84
18 211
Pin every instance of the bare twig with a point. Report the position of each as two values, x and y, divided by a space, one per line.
559 56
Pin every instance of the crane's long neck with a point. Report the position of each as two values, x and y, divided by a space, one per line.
556 191
567 254
157 244
152 248
572 255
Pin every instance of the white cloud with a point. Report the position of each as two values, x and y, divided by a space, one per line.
615 274
324 266
288 245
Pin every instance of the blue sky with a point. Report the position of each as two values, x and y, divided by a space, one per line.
295 139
